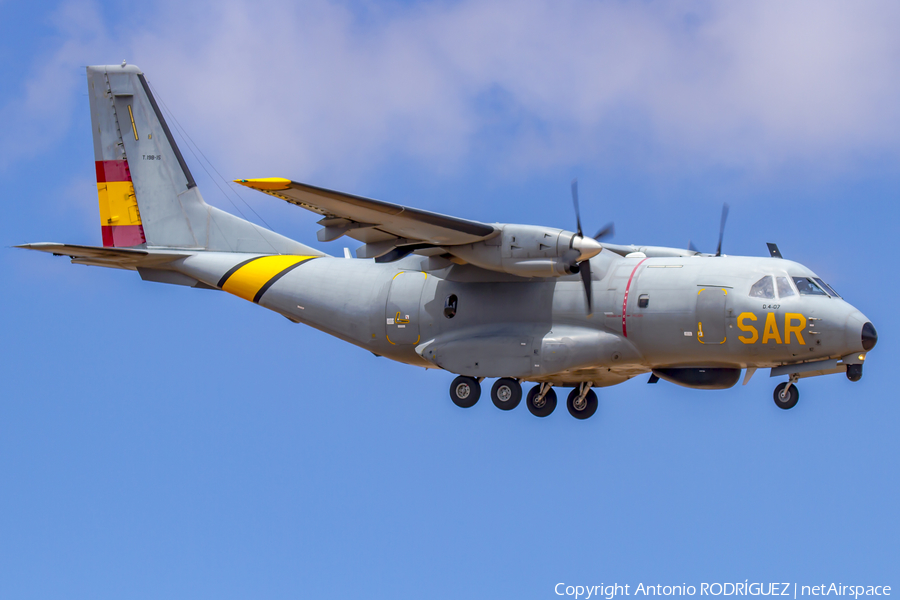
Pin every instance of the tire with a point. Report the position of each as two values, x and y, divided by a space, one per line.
465 391
506 393
792 396
590 405
548 403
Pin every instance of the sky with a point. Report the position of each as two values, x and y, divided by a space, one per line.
159 441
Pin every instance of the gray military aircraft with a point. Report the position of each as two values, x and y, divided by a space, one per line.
519 303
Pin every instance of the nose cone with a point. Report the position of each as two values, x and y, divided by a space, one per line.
586 247
869 336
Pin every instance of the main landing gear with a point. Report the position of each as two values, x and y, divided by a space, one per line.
541 400
506 394
582 401
465 391
787 394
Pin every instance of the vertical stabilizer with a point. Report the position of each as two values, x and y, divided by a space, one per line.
146 191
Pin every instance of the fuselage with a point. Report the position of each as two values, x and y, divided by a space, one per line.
648 313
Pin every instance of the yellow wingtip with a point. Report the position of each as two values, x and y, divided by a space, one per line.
267 183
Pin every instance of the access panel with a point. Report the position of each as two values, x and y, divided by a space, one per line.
402 308
711 315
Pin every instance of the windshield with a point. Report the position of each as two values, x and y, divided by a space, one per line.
807 287
827 287
784 287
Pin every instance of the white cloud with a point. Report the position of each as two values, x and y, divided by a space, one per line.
40 114
328 88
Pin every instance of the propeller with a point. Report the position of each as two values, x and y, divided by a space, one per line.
722 228
694 249
584 249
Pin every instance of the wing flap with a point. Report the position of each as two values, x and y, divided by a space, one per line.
372 221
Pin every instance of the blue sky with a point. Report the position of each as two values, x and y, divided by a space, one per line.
158 441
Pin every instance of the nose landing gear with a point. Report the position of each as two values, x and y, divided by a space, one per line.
786 394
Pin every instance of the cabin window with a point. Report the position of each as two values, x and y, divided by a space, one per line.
808 287
784 287
764 288
643 301
450 306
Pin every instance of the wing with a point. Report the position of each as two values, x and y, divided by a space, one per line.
382 226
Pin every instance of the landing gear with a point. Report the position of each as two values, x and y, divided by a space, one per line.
506 393
541 400
582 401
786 395
465 391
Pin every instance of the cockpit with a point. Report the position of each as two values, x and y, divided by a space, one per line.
790 286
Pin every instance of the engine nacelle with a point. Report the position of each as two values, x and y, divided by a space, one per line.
529 251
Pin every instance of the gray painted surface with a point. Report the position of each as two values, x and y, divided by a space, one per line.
512 319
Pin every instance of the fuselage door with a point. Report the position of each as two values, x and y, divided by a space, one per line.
402 308
711 315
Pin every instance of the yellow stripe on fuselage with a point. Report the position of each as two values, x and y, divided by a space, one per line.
247 281
118 205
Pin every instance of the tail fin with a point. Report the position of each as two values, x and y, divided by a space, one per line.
147 194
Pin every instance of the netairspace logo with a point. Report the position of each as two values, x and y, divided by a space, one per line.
745 588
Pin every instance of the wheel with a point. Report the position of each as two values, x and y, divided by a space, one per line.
465 391
506 393
586 408
788 400
545 406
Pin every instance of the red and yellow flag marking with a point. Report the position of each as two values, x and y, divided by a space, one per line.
120 218
252 278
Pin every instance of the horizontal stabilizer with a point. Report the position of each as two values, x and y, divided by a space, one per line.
119 258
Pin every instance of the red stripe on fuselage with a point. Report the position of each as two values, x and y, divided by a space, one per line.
112 170
625 300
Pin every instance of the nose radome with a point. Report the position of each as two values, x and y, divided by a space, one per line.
869 336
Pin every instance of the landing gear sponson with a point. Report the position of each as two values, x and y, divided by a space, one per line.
506 394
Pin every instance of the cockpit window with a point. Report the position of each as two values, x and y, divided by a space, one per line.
784 287
763 288
827 287
808 287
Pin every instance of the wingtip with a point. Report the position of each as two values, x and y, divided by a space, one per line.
266 183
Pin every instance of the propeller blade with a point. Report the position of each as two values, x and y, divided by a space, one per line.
722 228
575 202
692 247
608 230
584 269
